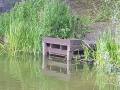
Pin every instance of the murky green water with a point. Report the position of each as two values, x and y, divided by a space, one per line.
23 72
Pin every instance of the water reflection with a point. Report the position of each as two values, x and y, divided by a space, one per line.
24 72
53 62
56 69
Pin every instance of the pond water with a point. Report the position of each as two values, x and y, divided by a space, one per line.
24 72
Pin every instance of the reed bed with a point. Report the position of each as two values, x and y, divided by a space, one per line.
107 58
107 54
26 23
23 34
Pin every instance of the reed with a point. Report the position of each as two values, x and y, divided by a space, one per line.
107 52
28 21
22 29
107 55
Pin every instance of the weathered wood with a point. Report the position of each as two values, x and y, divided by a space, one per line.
61 47
62 41
56 41
44 55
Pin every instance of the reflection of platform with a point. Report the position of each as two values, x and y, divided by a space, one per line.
58 64
56 74
56 69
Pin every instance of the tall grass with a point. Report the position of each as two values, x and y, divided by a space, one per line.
108 61
4 23
108 53
21 25
108 48
23 33
28 21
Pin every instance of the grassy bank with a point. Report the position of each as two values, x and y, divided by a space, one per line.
21 27
26 23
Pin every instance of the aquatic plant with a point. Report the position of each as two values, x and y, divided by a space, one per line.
108 53
21 26
28 21
108 49
107 59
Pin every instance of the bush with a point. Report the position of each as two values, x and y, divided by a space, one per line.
57 21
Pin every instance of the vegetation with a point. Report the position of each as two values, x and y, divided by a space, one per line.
28 21
107 82
24 26
108 9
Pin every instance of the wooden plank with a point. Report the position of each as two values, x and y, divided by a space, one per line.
60 76
56 41
57 51
58 64
75 42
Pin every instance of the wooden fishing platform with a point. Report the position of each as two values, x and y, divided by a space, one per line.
62 47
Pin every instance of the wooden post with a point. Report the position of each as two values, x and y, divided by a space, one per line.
44 63
69 57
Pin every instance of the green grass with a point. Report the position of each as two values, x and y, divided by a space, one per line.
21 26
28 21
107 59
108 48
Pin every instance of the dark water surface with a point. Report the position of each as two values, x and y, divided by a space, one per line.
23 72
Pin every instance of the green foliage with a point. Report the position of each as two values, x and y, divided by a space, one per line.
108 50
28 21
86 52
21 26
57 20
4 23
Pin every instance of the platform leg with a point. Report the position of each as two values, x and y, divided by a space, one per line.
44 53
69 57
